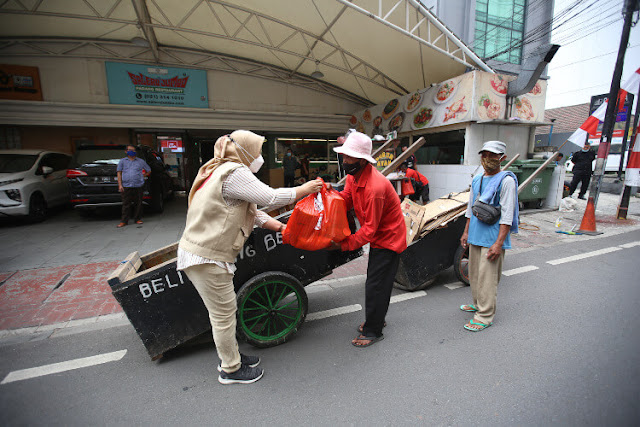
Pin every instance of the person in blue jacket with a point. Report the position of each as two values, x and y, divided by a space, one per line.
487 242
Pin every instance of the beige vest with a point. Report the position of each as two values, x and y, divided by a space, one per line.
214 230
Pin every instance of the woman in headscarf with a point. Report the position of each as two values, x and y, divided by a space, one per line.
222 213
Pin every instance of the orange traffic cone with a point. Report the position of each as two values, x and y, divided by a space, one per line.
588 224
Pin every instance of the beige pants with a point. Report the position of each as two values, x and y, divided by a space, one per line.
215 286
484 276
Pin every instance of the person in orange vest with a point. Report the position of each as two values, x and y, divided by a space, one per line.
419 181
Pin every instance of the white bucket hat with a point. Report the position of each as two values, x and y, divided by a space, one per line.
357 145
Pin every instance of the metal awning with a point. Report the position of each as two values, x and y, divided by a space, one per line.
368 51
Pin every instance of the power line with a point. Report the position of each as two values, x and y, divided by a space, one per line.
565 16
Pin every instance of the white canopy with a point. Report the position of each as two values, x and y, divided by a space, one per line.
368 51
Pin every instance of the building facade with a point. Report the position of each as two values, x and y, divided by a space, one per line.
501 32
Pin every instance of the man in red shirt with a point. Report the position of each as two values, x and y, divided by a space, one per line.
377 207
423 190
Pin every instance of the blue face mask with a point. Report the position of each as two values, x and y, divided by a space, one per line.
289 154
131 153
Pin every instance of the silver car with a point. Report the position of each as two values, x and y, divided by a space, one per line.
32 181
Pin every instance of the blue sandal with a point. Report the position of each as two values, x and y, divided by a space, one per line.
482 326
472 308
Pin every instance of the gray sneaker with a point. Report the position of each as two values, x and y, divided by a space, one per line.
245 375
252 361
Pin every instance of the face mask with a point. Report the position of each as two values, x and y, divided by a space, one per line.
489 164
584 150
288 154
131 153
352 168
256 163
255 166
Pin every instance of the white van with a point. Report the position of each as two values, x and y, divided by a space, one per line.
31 181
613 160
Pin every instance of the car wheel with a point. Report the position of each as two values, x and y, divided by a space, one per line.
271 308
37 208
461 264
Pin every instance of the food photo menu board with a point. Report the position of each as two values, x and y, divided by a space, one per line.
474 96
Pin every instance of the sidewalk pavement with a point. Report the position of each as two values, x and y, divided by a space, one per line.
41 294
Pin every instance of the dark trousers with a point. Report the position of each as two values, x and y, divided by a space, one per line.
131 200
289 180
381 272
584 179
422 193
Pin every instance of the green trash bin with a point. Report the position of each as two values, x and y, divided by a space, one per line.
536 192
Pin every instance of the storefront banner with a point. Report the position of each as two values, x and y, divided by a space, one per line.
136 84
20 82
474 96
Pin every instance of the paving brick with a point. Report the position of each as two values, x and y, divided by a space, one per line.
4 276
31 286
85 281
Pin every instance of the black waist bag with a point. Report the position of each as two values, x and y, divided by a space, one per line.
485 212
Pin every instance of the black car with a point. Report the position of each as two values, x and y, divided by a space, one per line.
93 179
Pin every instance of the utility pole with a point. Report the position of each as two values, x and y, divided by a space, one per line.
607 129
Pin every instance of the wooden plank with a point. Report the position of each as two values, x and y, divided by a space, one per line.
395 164
124 269
383 147
160 255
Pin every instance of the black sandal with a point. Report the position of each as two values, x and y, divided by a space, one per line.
372 340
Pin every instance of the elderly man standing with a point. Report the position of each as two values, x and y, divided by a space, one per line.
377 207
487 241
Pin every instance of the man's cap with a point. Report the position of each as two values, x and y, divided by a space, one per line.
497 147
357 145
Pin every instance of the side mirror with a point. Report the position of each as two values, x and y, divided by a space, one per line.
47 170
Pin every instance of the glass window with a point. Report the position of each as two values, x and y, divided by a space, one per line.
10 163
500 29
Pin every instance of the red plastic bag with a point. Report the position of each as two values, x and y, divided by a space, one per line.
407 187
316 220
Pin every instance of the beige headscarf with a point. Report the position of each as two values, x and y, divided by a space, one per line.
226 150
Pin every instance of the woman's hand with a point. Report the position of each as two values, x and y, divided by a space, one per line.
309 187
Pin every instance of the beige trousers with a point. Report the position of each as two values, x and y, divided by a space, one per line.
484 276
215 286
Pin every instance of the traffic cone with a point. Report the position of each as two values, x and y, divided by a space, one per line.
588 224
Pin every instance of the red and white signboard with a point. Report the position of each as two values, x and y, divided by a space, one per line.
174 144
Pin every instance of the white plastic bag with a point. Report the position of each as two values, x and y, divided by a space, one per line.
568 205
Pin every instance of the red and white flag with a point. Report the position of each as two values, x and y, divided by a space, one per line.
632 84
632 174
590 126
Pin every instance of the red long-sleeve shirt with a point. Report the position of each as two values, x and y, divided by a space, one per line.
377 207
417 176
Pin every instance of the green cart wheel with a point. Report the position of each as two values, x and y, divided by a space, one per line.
271 308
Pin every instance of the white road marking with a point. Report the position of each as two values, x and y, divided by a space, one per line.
520 270
407 296
357 307
584 255
334 312
455 285
25 374
630 245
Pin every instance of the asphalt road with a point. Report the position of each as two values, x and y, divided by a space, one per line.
563 350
